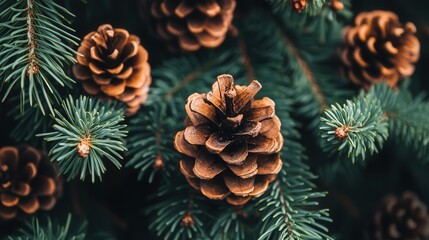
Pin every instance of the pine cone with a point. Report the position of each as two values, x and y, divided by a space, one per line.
232 142
298 5
28 182
114 65
378 48
189 24
402 217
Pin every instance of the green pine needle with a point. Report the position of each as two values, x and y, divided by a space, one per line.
34 50
49 230
355 128
96 122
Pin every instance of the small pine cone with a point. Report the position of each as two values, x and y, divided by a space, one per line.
114 65
28 182
378 48
190 25
298 5
403 217
232 142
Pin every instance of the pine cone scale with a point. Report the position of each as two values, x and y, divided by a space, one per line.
214 189
29 205
21 189
248 169
198 135
235 153
207 165
9 200
239 186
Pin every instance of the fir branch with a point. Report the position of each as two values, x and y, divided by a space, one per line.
228 224
245 60
179 215
355 128
150 146
85 133
361 126
306 71
49 230
407 116
29 123
177 78
34 43
310 50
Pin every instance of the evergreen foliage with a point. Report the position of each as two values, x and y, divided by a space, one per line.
34 50
372 117
150 135
49 230
294 57
362 123
92 120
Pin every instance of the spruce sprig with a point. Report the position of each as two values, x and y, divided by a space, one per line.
49 230
86 133
355 128
35 40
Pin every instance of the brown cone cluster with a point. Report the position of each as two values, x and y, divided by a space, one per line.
28 182
232 142
400 218
190 24
298 5
114 65
378 48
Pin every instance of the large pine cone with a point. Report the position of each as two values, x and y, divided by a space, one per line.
402 217
28 182
232 142
378 48
191 24
114 65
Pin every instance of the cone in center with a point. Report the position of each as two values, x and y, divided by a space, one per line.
231 143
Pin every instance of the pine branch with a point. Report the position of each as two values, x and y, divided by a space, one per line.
49 230
179 215
84 134
29 123
355 128
310 47
177 78
150 141
306 71
408 117
228 224
361 126
34 49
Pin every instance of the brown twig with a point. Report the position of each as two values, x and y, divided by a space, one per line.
33 67
284 205
307 71
245 60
